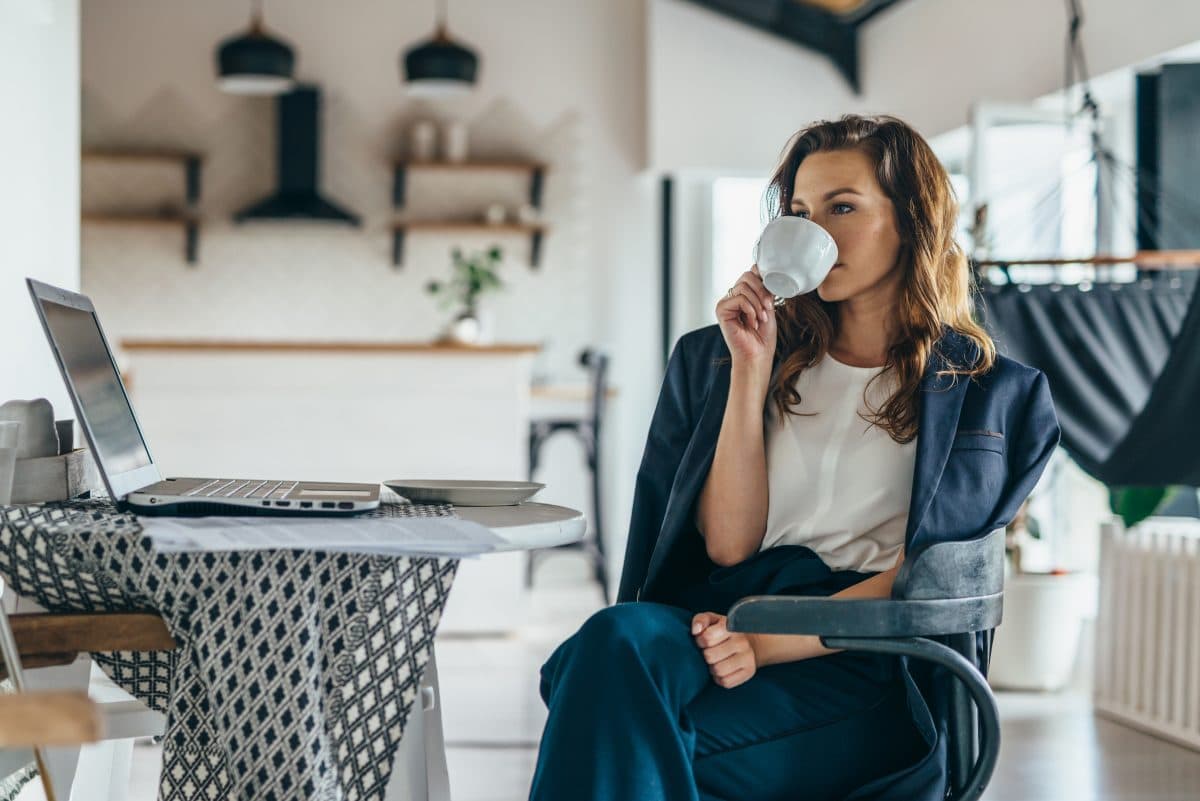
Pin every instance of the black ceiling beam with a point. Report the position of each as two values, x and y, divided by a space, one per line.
833 35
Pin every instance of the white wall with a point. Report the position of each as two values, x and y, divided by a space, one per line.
561 81
724 95
39 193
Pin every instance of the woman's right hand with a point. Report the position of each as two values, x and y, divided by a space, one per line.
746 316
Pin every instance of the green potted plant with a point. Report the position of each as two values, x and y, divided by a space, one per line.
1133 504
471 276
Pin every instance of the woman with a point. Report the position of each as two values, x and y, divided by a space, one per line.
802 447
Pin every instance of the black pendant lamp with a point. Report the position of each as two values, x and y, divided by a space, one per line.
255 63
440 66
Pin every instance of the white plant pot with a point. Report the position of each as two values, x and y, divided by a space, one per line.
1038 640
464 330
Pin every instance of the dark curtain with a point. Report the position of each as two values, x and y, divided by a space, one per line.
1123 361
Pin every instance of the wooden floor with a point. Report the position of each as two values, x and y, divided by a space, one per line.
1054 747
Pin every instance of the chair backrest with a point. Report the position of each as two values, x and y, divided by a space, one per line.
596 363
961 569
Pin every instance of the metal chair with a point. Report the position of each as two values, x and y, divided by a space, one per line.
589 430
942 596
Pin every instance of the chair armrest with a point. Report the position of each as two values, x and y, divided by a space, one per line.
864 617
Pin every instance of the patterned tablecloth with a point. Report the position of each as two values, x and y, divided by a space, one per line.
295 670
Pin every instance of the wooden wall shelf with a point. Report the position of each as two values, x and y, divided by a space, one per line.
189 161
191 225
508 166
266 346
535 170
138 218
134 154
400 229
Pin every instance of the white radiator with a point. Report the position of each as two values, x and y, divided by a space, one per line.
1148 628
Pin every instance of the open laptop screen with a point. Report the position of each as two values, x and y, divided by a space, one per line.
97 388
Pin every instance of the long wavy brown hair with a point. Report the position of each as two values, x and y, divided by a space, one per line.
937 287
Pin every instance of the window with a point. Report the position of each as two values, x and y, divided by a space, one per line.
737 220
1035 172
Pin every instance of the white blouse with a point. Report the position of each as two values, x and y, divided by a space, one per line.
837 484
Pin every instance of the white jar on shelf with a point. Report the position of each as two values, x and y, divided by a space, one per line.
495 214
422 140
527 214
455 141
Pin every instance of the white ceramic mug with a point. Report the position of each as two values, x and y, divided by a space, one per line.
10 437
794 255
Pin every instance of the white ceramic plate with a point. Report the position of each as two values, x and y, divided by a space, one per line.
466 493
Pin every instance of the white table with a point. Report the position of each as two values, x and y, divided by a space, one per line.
528 525
419 772
419 766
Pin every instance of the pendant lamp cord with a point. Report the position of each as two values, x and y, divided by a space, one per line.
440 30
1076 67
1076 62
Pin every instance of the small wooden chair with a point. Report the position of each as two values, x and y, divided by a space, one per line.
70 717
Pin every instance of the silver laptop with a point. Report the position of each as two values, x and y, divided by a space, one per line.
104 412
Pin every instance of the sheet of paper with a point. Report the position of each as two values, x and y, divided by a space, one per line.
387 536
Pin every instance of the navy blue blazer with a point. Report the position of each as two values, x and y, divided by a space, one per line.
981 446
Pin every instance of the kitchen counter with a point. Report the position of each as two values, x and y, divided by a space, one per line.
289 346
347 411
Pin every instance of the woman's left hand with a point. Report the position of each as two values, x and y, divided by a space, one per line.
729 655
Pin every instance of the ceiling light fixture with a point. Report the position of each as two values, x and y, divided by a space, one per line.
254 63
440 67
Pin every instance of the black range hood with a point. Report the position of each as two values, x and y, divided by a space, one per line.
297 196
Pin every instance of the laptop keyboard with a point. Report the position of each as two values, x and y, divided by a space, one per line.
251 488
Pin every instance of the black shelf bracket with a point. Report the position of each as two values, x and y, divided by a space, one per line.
535 249
191 233
398 186
191 168
536 181
397 247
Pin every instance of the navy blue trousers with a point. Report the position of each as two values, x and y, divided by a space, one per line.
634 714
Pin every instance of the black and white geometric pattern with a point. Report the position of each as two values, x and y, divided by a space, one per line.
295 670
